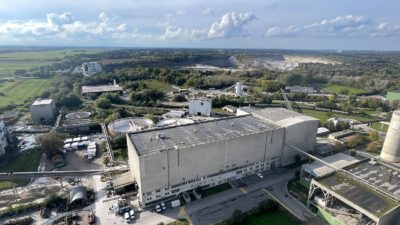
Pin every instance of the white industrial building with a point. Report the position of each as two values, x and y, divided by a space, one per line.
200 106
3 138
239 89
91 68
168 161
43 110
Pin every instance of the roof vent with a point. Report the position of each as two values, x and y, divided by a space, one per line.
232 124
151 138
195 130
161 136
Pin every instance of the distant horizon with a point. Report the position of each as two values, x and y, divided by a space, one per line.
199 48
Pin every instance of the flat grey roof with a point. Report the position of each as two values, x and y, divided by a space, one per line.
147 142
339 160
43 102
377 174
100 88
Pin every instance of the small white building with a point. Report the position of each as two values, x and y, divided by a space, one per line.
239 89
3 138
91 68
200 106
43 110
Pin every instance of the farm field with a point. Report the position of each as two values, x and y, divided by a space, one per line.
338 89
159 85
21 89
323 116
11 61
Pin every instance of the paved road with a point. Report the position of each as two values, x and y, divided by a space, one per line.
219 207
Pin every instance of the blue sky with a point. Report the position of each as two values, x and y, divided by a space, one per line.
289 24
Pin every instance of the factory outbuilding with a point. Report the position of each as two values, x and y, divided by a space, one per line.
43 110
200 106
99 89
366 192
91 68
166 162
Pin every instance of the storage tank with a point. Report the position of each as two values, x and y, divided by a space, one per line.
174 122
391 146
122 126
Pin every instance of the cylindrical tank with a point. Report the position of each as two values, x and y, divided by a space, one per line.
391 146
121 126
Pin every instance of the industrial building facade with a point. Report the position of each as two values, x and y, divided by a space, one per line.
43 110
168 161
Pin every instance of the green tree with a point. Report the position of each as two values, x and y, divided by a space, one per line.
103 103
51 143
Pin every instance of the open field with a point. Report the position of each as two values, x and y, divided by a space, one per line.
25 161
18 91
323 116
272 218
380 127
338 89
10 61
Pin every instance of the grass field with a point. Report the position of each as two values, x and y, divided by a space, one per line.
18 91
380 127
273 218
323 116
25 161
333 88
10 61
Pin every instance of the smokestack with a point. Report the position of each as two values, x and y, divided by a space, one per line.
391 147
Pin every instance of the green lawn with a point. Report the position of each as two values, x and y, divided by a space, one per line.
334 88
323 116
155 84
10 61
25 161
380 127
18 91
273 218
215 189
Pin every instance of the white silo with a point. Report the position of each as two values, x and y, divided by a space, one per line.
239 89
391 146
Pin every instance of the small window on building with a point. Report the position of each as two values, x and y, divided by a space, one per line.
201 104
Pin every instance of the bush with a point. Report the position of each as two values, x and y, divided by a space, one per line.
103 103
179 98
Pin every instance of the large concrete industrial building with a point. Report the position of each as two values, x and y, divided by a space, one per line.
200 106
168 161
43 110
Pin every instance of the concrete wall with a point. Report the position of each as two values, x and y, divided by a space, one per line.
200 106
392 217
134 163
46 112
301 135
172 172
3 138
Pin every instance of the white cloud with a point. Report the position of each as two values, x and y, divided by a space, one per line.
276 31
65 27
207 12
340 26
231 25
179 33
387 30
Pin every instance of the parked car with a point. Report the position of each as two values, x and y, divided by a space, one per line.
260 175
132 214
158 208
163 207
127 217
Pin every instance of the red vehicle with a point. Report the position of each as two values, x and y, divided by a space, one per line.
91 218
